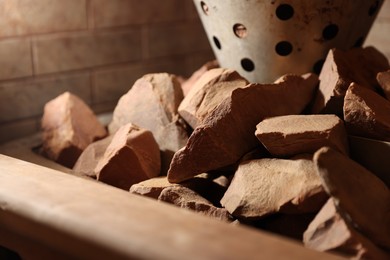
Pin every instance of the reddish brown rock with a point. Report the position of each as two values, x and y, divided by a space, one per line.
152 187
340 69
329 232
266 186
208 92
86 163
361 198
187 84
68 127
152 104
203 184
383 79
227 133
131 157
366 113
186 198
296 134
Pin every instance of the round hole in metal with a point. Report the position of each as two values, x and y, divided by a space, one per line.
283 48
217 43
240 30
330 31
247 64
284 12
204 7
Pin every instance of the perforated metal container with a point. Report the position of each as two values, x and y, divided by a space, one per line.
263 40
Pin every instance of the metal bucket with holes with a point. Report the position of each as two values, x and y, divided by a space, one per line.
263 40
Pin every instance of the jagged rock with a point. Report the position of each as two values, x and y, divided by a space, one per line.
86 163
186 198
131 157
227 133
189 83
266 186
68 127
361 198
329 232
296 134
208 92
383 79
152 104
340 69
152 187
202 184
366 113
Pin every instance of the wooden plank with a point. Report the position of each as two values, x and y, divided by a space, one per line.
80 218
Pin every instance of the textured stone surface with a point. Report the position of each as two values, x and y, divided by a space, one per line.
227 133
186 198
152 104
296 134
266 186
208 92
204 185
340 69
151 187
190 82
366 113
86 163
383 79
68 127
329 232
361 198
132 156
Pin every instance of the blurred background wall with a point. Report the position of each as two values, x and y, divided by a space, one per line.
97 49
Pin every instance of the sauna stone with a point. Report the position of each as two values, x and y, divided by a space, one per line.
227 133
132 156
208 92
361 198
330 232
340 69
188 84
296 134
68 127
366 113
267 186
186 198
152 103
86 163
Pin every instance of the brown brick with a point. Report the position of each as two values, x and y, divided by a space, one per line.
15 58
17 129
84 50
26 98
126 12
20 17
179 38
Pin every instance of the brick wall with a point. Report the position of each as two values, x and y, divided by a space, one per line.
97 49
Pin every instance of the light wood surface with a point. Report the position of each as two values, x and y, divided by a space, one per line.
44 212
